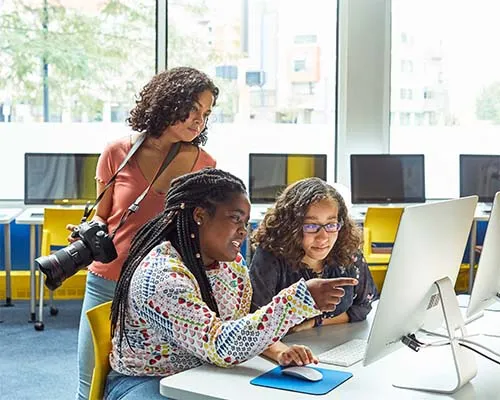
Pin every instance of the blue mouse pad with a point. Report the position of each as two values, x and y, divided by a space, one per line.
275 379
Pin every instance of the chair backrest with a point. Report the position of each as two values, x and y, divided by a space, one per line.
100 327
54 227
382 224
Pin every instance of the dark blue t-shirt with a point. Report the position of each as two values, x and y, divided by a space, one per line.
270 274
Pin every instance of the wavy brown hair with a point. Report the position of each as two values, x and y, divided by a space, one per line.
168 98
281 233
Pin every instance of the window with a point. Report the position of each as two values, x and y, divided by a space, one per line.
404 118
68 61
305 39
406 94
283 79
406 66
67 68
299 65
458 83
419 118
428 94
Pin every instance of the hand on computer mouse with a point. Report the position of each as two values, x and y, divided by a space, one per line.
327 293
296 355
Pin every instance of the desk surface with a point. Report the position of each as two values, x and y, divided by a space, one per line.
7 215
31 216
371 382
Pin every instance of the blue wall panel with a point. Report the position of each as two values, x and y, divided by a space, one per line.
20 246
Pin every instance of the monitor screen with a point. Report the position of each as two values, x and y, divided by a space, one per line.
271 173
387 178
55 178
480 175
486 289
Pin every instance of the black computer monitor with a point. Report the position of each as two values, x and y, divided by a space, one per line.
56 178
480 175
271 173
387 178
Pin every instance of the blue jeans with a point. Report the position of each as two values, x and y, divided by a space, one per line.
97 291
123 387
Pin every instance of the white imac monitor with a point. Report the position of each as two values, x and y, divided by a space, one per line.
418 292
486 289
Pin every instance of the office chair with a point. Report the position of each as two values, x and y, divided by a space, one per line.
100 327
55 237
379 234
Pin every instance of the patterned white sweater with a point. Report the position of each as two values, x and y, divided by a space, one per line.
170 329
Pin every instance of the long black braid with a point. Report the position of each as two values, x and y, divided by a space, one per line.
205 189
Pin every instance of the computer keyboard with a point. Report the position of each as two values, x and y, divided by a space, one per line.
346 354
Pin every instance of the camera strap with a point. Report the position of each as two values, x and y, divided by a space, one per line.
133 149
135 205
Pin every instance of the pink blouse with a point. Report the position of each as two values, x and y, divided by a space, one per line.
129 184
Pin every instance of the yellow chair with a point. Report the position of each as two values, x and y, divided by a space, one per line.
100 327
379 234
54 237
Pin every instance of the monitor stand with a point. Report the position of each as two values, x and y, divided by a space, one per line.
462 369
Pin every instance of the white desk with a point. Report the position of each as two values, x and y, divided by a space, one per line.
7 215
32 216
371 382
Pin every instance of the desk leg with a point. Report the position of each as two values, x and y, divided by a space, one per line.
32 273
472 254
8 265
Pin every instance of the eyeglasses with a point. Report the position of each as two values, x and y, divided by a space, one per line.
332 227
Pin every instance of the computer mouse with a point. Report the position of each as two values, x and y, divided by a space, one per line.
306 373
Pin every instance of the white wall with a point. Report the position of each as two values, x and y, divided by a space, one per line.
230 144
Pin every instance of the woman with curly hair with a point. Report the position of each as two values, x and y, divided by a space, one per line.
308 234
173 107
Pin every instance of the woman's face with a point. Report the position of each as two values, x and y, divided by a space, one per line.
222 234
318 245
195 123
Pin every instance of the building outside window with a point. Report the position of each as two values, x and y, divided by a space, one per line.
456 72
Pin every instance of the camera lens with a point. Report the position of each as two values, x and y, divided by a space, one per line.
64 263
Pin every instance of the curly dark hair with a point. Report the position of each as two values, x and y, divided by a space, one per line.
281 233
168 98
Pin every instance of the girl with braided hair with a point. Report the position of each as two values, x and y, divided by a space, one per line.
183 296
307 234
173 107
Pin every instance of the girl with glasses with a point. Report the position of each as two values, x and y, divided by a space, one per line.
309 234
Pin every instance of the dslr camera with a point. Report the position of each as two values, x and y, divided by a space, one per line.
94 244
